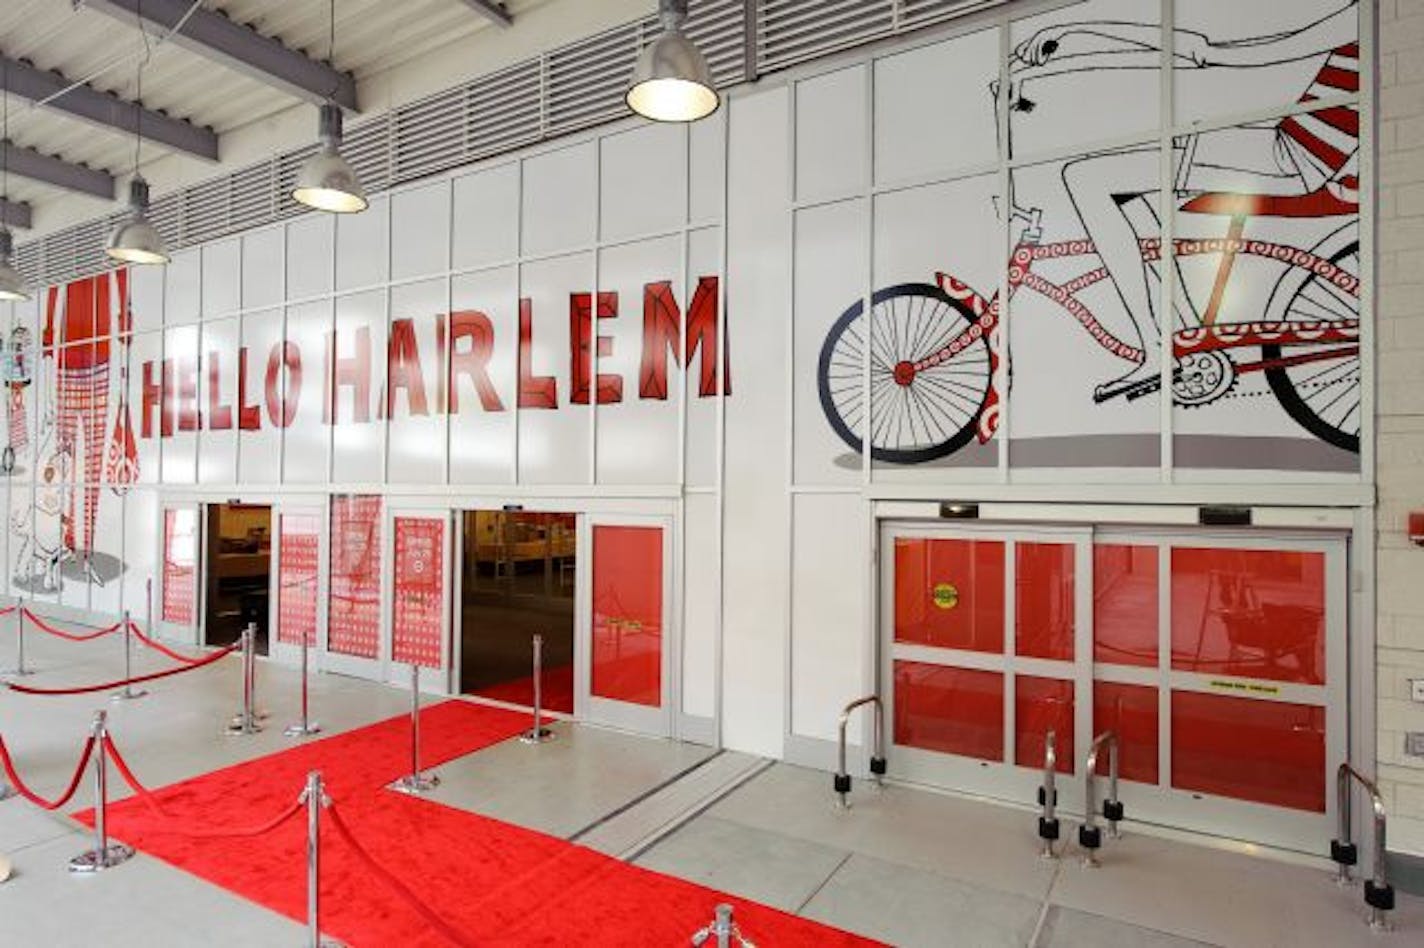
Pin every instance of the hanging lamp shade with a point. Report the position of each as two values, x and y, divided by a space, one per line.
135 239
671 82
12 285
326 181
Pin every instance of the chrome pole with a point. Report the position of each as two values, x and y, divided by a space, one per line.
148 606
104 855
415 782
20 668
537 733
1048 796
246 720
306 726
127 693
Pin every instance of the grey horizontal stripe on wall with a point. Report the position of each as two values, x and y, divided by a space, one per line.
1263 453
1130 450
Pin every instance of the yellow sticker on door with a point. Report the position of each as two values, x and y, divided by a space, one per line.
946 596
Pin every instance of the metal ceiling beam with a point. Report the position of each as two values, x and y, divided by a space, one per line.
240 47
15 213
37 166
493 11
105 109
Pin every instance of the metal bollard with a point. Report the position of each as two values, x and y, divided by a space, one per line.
415 782
1048 797
20 668
841 782
314 796
1379 894
306 726
722 928
245 722
1090 838
127 693
537 733
104 855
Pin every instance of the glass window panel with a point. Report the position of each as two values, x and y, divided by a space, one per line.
951 710
1252 613
1264 751
1131 711
1125 604
1042 705
950 593
627 614
354 624
1043 597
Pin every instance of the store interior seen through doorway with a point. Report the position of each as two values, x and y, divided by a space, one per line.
517 581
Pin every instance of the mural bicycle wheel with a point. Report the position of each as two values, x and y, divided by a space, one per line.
921 408
1322 395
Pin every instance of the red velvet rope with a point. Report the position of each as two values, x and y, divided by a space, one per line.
162 649
7 610
71 636
35 798
399 888
151 801
106 686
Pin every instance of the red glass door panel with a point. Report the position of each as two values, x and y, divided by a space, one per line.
354 626
950 593
1265 751
627 649
1044 600
1042 705
1125 604
1130 711
298 550
1249 613
417 626
180 564
950 710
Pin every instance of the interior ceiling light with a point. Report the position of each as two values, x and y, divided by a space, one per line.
671 82
135 239
12 285
327 181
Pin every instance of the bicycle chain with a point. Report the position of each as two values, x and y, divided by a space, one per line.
1306 385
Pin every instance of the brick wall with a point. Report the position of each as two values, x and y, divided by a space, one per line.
1399 345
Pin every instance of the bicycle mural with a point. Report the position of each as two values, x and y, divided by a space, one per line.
1278 198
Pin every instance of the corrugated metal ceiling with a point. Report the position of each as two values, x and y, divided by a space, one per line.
371 37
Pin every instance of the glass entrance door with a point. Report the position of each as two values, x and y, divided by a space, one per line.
1216 657
624 665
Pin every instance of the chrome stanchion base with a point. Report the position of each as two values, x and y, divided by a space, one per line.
17 672
536 735
416 784
240 725
96 860
128 694
7 791
300 729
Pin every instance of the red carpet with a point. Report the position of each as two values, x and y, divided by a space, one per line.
557 692
494 883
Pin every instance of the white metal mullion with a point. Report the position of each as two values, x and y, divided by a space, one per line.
593 313
1083 631
1164 664
1005 239
1010 547
1166 213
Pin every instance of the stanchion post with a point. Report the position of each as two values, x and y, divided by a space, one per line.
537 733
722 928
148 607
314 796
246 720
20 668
104 855
127 693
415 782
306 725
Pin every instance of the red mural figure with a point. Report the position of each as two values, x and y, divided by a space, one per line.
929 358
81 319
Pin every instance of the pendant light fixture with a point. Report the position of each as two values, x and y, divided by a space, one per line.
326 181
671 82
12 285
135 239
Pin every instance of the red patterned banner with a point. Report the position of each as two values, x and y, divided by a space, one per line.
180 557
298 542
419 591
354 626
